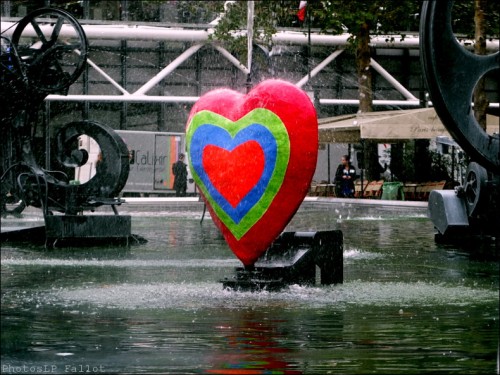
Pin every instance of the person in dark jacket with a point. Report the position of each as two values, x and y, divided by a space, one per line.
179 169
344 178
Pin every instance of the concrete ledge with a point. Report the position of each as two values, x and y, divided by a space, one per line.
32 216
362 202
159 200
368 202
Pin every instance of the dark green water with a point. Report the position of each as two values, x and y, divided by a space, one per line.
407 305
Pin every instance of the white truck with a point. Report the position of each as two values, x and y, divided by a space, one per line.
151 157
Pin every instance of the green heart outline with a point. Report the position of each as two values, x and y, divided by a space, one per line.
273 123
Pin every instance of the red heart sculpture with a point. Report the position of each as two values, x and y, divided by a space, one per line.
253 157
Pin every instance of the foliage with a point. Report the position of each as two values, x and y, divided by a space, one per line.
441 167
379 16
268 15
196 11
362 19
463 18
331 16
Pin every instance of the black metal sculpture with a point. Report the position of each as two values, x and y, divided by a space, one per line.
47 53
294 258
452 72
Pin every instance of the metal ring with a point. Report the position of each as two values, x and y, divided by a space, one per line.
112 174
451 73
47 70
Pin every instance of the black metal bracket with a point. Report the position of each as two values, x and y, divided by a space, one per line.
294 258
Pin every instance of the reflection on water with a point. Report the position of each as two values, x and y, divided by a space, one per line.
407 305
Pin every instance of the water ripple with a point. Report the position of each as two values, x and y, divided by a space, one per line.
210 295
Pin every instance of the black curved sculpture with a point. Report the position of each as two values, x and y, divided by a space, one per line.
47 54
451 73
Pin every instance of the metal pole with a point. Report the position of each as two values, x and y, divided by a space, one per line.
250 16
308 43
453 163
150 33
224 52
394 82
47 136
104 74
329 164
319 68
123 98
412 103
123 71
168 69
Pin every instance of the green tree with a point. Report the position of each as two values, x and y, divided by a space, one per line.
478 20
268 15
361 18
364 19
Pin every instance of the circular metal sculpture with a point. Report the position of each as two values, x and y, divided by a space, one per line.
475 188
53 48
113 167
46 55
451 73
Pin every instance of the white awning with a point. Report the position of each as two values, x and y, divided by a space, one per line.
386 126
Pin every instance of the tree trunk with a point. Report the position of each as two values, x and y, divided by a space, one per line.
364 71
371 163
480 99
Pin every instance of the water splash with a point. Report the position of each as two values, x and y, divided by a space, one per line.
125 263
211 295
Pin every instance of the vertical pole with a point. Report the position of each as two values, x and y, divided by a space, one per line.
329 166
250 17
198 76
47 135
123 71
308 14
162 118
362 169
86 104
453 163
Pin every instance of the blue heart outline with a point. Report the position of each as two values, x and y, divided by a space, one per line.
211 134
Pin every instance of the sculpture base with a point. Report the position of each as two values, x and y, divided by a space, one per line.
84 230
294 258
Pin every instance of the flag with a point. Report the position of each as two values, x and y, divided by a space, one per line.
301 14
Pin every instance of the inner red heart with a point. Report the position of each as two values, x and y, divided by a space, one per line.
234 173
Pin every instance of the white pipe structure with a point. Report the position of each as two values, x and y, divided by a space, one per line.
319 67
224 52
105 75
133 98
411 103
202 37
393 81
192 99
168 69
157 33
250 11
